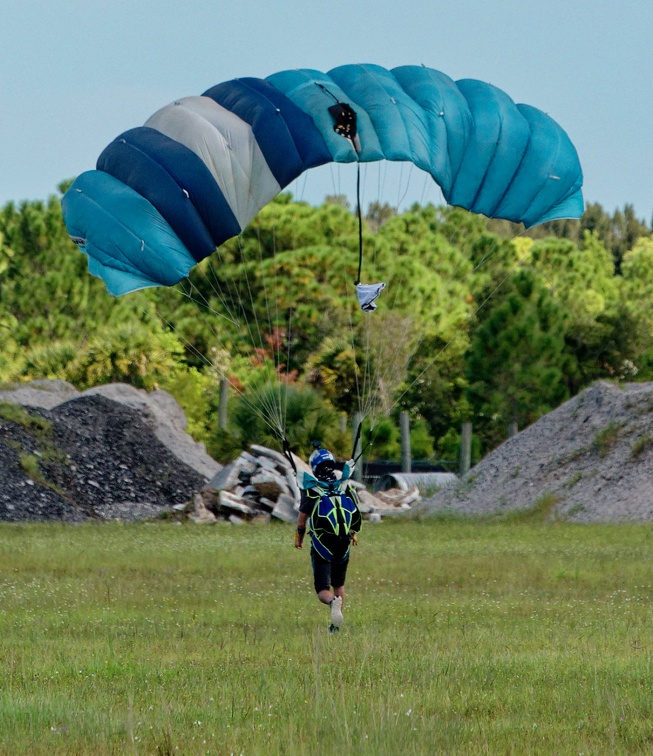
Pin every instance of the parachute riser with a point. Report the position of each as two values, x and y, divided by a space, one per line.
288 453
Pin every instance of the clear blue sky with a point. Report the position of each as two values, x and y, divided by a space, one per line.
76 73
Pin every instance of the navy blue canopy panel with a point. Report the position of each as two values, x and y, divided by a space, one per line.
166 194
288 137
176 181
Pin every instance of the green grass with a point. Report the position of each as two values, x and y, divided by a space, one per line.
605 439
642 444
460 637
37 425
540 512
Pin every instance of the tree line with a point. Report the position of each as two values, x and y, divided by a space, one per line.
480 320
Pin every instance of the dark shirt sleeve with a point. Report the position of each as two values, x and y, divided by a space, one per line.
307 502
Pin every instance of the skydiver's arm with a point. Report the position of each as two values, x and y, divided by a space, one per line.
302 517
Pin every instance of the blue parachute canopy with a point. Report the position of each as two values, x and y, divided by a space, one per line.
166 194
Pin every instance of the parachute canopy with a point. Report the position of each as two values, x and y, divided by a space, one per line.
166 194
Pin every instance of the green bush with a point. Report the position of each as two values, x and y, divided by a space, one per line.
197 394
131 353
381 439
224 446
10 357
260 415
421 442
449 447
50 360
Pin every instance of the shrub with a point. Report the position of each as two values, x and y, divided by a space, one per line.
259 416
421 442
197 394
381 440
50 360
129 353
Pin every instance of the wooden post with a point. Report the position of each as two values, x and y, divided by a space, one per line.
223 404
357 420
404 425
465 449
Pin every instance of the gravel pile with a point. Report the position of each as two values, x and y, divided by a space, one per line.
590 460
157 408
89 457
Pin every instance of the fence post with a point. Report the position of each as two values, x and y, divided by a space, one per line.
512 428
223 403
465 448
356 421
404 425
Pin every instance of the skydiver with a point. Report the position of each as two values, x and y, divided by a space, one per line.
331 506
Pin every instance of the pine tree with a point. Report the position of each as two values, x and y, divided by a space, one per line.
517 360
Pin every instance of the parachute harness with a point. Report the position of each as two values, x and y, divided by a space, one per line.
345 124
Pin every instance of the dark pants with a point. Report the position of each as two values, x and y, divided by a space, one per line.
327 574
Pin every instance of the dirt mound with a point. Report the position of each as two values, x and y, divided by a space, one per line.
89 457
590 460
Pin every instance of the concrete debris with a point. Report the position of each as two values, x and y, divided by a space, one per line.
269 483
119 453
285 508
260 485
200 514
230 503
389 502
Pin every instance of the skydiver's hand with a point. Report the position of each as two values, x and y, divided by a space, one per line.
354 539
299 540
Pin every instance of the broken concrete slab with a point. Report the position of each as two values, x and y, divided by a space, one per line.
228 502
285 509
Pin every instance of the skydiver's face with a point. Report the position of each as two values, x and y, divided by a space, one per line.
325 471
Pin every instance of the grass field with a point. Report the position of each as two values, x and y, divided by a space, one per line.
460 637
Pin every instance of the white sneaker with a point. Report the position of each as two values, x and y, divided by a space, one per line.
337 617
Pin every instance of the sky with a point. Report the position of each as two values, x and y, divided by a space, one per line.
76 73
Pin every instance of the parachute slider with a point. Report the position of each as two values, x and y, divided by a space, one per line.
367 293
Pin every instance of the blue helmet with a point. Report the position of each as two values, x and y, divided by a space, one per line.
319 457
